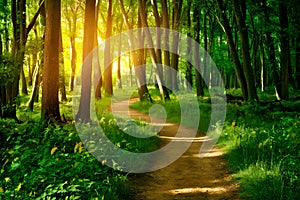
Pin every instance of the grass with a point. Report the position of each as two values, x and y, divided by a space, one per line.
260 141
180 109
42 161
262 148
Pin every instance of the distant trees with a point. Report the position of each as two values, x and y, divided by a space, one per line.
254 44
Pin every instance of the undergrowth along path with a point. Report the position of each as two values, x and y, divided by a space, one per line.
189 177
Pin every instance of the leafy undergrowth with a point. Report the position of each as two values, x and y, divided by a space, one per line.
262 149
40 161
260 141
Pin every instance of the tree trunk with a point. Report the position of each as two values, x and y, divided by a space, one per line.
188 71
119 77
166 37
158 74
240 16
205 77
262 64
108 86
62 81
298 62
141 82
86 76
23 34
210 50
177 9
199 79
50 101
285 60
35 85
97 72
233 51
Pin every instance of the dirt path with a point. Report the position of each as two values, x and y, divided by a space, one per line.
189 177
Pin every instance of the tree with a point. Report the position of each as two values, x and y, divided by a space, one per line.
177 10
71 14
285 60
140 78
240 15
199 80
86 72
108 86
233 51
50 89
158 72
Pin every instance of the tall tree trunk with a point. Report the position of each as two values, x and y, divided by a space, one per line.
262 65
97 72
298 62
240 10
166 38
23 34
285 60
177 9
188 71
233 51
35 85
86 73
210 50
108 86
50 100
158 74
199 80
62 81
119 77
73 36
205 76
142 87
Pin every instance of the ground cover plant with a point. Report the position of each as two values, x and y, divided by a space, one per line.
260 142
48 161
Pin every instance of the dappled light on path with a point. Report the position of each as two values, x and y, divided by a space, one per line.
190 176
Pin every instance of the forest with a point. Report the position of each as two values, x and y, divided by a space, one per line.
149 99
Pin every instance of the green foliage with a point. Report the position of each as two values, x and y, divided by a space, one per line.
262 147
51 163
9 69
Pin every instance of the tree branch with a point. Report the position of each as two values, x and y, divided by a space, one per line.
32 22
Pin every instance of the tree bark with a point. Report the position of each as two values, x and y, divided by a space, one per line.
285 60
240 10
166 37
142 88
50 100
233 51
188 71
108 87
62 80
158 74
199 79
298 62
86 76
177 9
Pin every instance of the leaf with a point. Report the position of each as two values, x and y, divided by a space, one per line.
14 166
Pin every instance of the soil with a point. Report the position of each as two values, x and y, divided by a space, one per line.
189 177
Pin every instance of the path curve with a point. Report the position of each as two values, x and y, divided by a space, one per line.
189 177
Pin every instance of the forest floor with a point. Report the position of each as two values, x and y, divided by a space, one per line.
189 177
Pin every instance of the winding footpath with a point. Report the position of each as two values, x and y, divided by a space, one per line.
189 177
